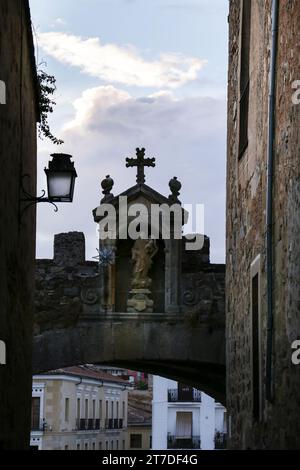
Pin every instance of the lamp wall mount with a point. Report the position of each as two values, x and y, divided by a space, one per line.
32 200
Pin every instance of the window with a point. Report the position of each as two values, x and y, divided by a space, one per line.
184 425
123 444
112 410
106 409
94 409
117 410
67 410
100 445
78 447
94 446
35 413
86 446
256 350
117 445
123 410
185 392
86 408
66 447
106 445
135 441
78 408
225 421
255 347
100 409
244 75
112 445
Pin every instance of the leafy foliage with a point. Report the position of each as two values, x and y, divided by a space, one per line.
47 85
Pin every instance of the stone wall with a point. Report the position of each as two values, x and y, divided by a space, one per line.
17 242
279 424
67 287
71 328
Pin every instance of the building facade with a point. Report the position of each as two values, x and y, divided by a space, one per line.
139 419
185 418
19 112
79 409
263 221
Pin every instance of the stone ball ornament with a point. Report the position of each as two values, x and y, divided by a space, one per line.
175 187
107 184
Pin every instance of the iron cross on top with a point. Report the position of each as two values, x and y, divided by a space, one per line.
141 162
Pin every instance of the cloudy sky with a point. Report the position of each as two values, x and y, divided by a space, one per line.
135 73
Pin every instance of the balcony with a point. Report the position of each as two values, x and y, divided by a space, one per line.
193 397
37 426
113 423
220 441
88 424
184 443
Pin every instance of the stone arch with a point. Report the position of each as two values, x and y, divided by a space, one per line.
170 349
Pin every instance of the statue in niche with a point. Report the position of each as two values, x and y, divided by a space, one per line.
143 253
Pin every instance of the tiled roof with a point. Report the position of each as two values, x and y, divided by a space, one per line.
139 408
137 416
82 371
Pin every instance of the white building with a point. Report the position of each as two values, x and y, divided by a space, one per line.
185 418
79 409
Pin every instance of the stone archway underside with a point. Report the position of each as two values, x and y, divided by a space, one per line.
172 348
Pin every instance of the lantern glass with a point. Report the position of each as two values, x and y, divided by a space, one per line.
60 186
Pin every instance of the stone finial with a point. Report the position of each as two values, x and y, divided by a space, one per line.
175 187
107 185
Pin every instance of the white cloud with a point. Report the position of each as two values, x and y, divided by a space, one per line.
60 21
187 137
120 64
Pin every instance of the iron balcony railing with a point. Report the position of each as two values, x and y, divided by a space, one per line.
192 442
40 426
88 424
174 396
37 427
220 440
113 423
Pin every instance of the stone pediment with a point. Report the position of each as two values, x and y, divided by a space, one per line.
140 194
145 193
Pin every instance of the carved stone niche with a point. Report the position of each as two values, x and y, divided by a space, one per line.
143 276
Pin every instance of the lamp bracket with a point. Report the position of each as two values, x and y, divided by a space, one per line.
27 197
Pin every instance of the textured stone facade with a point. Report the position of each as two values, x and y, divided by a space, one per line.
279 423
70 326
17 242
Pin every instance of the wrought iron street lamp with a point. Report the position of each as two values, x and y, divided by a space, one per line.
61 176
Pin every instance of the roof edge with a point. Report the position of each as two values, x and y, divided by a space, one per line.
32 58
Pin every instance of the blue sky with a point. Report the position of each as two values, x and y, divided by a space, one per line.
131 73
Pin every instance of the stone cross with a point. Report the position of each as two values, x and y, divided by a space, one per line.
140 162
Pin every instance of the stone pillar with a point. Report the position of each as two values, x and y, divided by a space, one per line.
107 272
173 275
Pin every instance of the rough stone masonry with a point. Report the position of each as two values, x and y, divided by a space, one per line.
278 425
